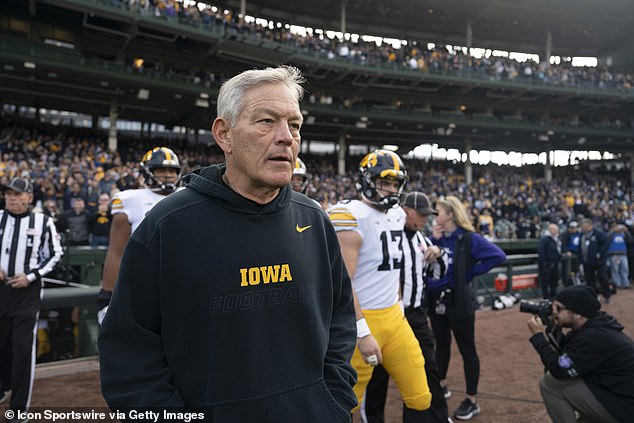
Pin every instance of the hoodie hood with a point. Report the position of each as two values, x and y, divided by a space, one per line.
207 181
605 321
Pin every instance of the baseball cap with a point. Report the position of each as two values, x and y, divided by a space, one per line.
420 202
20 185
573 224
580 299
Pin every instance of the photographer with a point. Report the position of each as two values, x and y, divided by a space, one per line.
591 372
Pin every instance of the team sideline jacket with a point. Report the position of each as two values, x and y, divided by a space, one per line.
244 310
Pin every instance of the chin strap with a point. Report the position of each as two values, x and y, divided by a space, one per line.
167 187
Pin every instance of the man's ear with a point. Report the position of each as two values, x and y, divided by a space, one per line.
221 130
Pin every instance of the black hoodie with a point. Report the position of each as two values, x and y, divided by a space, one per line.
240 309
602 355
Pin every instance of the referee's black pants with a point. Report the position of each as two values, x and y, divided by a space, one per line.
376 391
17 355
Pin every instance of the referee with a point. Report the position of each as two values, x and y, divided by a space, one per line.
29 249
420 260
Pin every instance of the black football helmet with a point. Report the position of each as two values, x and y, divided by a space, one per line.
381 164
160 157
300 170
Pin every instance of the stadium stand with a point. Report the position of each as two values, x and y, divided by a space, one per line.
160 63
178 55
63 161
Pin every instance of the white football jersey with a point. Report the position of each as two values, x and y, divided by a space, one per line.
376 280
135 203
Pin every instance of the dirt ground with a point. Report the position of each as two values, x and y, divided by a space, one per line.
510 371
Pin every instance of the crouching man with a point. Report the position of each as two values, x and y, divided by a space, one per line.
591 371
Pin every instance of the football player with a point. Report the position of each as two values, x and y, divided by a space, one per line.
370 232
299 180
161 171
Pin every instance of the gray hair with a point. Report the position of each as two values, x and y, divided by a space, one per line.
232 92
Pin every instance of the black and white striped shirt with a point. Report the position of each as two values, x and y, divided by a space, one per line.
416 270
29 244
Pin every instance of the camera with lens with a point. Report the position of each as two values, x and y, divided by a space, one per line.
543 309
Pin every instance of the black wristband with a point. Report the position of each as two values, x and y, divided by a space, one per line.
103 299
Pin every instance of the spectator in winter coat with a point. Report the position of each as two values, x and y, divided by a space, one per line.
548 258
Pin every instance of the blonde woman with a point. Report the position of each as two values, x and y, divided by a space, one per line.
451 307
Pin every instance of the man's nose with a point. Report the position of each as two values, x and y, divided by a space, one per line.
283 132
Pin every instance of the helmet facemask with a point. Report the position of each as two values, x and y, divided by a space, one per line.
160 157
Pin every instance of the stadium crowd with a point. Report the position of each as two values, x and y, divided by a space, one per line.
504 202
413 55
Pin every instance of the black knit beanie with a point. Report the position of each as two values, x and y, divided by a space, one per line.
580 299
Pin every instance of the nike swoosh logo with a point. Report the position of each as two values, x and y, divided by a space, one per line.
302 229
